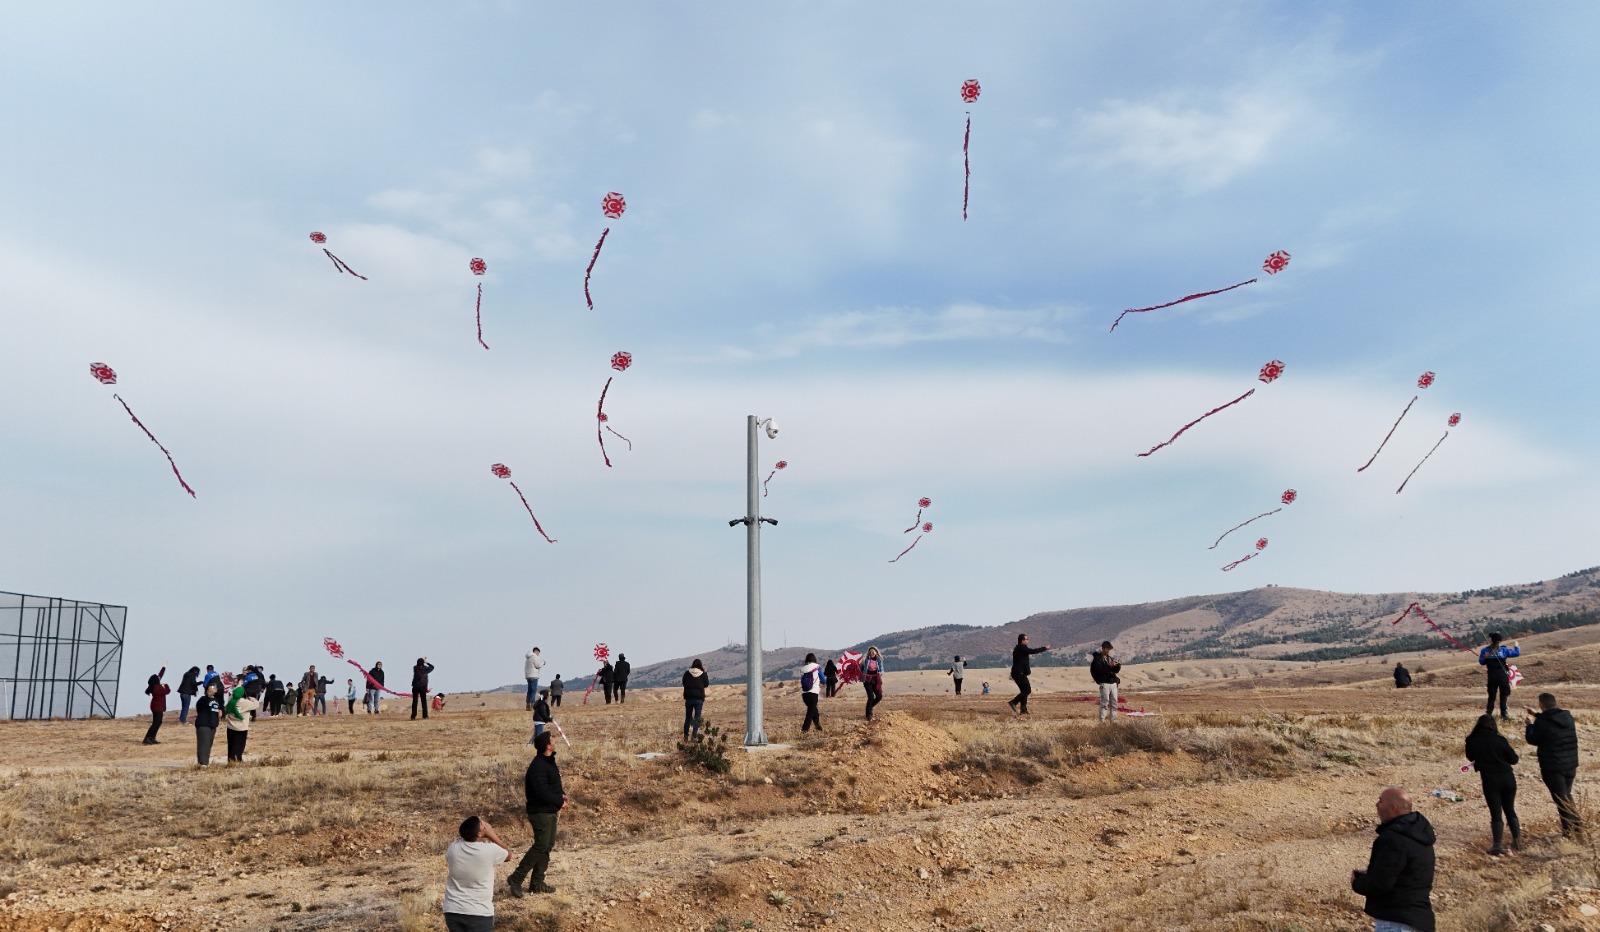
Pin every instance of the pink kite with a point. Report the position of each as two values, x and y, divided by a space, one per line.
1288 497
921 504
619 361
1269 374
338 264
1423 381
612 205
970 90
338 654
478 267
927 527
105 375
1275 263
1452 422
782 464
1261 544
503 471
602 653
849 666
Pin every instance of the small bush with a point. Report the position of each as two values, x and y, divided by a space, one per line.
710 752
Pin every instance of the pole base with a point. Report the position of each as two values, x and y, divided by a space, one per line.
755 739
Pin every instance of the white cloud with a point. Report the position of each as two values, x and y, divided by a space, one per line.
899 326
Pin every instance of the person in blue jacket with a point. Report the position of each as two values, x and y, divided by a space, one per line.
1493 657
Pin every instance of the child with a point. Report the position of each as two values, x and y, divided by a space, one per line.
438 702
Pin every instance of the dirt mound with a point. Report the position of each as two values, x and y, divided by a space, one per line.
893 761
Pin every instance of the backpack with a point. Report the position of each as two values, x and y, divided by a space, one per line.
808 679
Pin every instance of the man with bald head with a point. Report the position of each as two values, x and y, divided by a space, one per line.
1398 881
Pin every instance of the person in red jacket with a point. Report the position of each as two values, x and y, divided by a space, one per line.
157 691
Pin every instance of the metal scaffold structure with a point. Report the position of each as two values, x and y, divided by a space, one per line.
59 658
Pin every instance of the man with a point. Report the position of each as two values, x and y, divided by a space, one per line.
958 670
541 714
419 687
605 675
532 663
377 691
308 692
556 689
1021 669
469 889
1402 676
1398 881
1494 658
274 695
542 787
1103 670
619 677
320 706
1556 736
211 674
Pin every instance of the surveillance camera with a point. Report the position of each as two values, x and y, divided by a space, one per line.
772 429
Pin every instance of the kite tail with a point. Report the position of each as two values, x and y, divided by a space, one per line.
1388 435
590 270
338 263
600 412
1196 421
536 525
374 683
966 166
480 317
1238 526
153 440
1157 307
907 550
1414 469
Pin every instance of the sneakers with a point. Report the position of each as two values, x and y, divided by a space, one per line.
515 884
1496 851
541 888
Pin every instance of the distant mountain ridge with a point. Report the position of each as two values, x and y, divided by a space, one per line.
1270 622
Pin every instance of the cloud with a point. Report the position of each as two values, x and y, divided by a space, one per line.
889 327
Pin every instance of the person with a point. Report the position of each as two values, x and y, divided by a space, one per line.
350 694
619 677
207 716
1493 657
1021 669
1555 734
366 699
419 687
872 678
291 698
541 714
556 689
958 669
831 674
438 702
469 886
1398 881
986 687
308 692
811 678
157 691
377 691
695 682
1492 756
532 663
188 688
237 713
320 706
211 674
542 787
274 695
605 674
1103 670
1402 676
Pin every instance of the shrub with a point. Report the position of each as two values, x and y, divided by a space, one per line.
710 752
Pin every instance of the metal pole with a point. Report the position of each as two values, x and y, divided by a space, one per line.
754 731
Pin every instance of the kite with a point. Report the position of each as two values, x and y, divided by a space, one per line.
1453 421
921 504
849 666
620 361
338 263
1269 374
478 267
1261 544
970 90
1288 497
1275 263
105 375
1416 608
612 205
1423 381
927 528
503 471
602 653
1122 705
782 464
338 654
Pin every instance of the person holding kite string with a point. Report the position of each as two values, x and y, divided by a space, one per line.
1492 756
532 663
1493 657
1103 670
1021 669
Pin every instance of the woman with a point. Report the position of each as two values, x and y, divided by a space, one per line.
157 691
811 679
695 682
350 695
1492 755
188 688
872 678
237 712
207 716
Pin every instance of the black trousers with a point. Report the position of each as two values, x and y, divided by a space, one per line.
1024 690
155 726
622 691
419 697
1504 689
813 716
1500 792
607 688
1559 783
236 742
555 700
874 695
833 688
958 685
203 737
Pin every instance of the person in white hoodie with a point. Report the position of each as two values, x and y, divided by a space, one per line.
532 663
810 691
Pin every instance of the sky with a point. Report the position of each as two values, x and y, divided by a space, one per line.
792 248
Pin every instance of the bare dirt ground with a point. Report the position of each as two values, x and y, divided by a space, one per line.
1242 805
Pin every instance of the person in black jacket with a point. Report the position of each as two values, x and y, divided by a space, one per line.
619 677
1492 755
1398 881
377 692
419 686
831 674
1554 733
607 671
541 714
188 687
542 786
1103 670
274 695
207 716
1402 676
1021 669
1493 659
695 682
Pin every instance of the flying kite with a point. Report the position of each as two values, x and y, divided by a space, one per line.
1453 421
782 464
1274 264
478 267
1261 544
1415 608
105 375
612 205
1269 374
503 471
927 528
338 263
921 504
620 361
1423 381
338 653
1287 498
970 89
602 653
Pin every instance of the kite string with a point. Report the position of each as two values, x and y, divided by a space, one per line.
1238 526
480 317
1414 469
1157 307
1389 434
536 526
153 440
1196 421
590 270
600 412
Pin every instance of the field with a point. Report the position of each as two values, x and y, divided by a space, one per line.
1242 805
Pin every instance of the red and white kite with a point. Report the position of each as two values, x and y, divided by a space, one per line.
921 504
1261 544
849 667
338 653
503 471
782 464
1423 381
338 263
927 528
620 361
970 89
105 375
1269 374
1274 264
612 205
478 267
